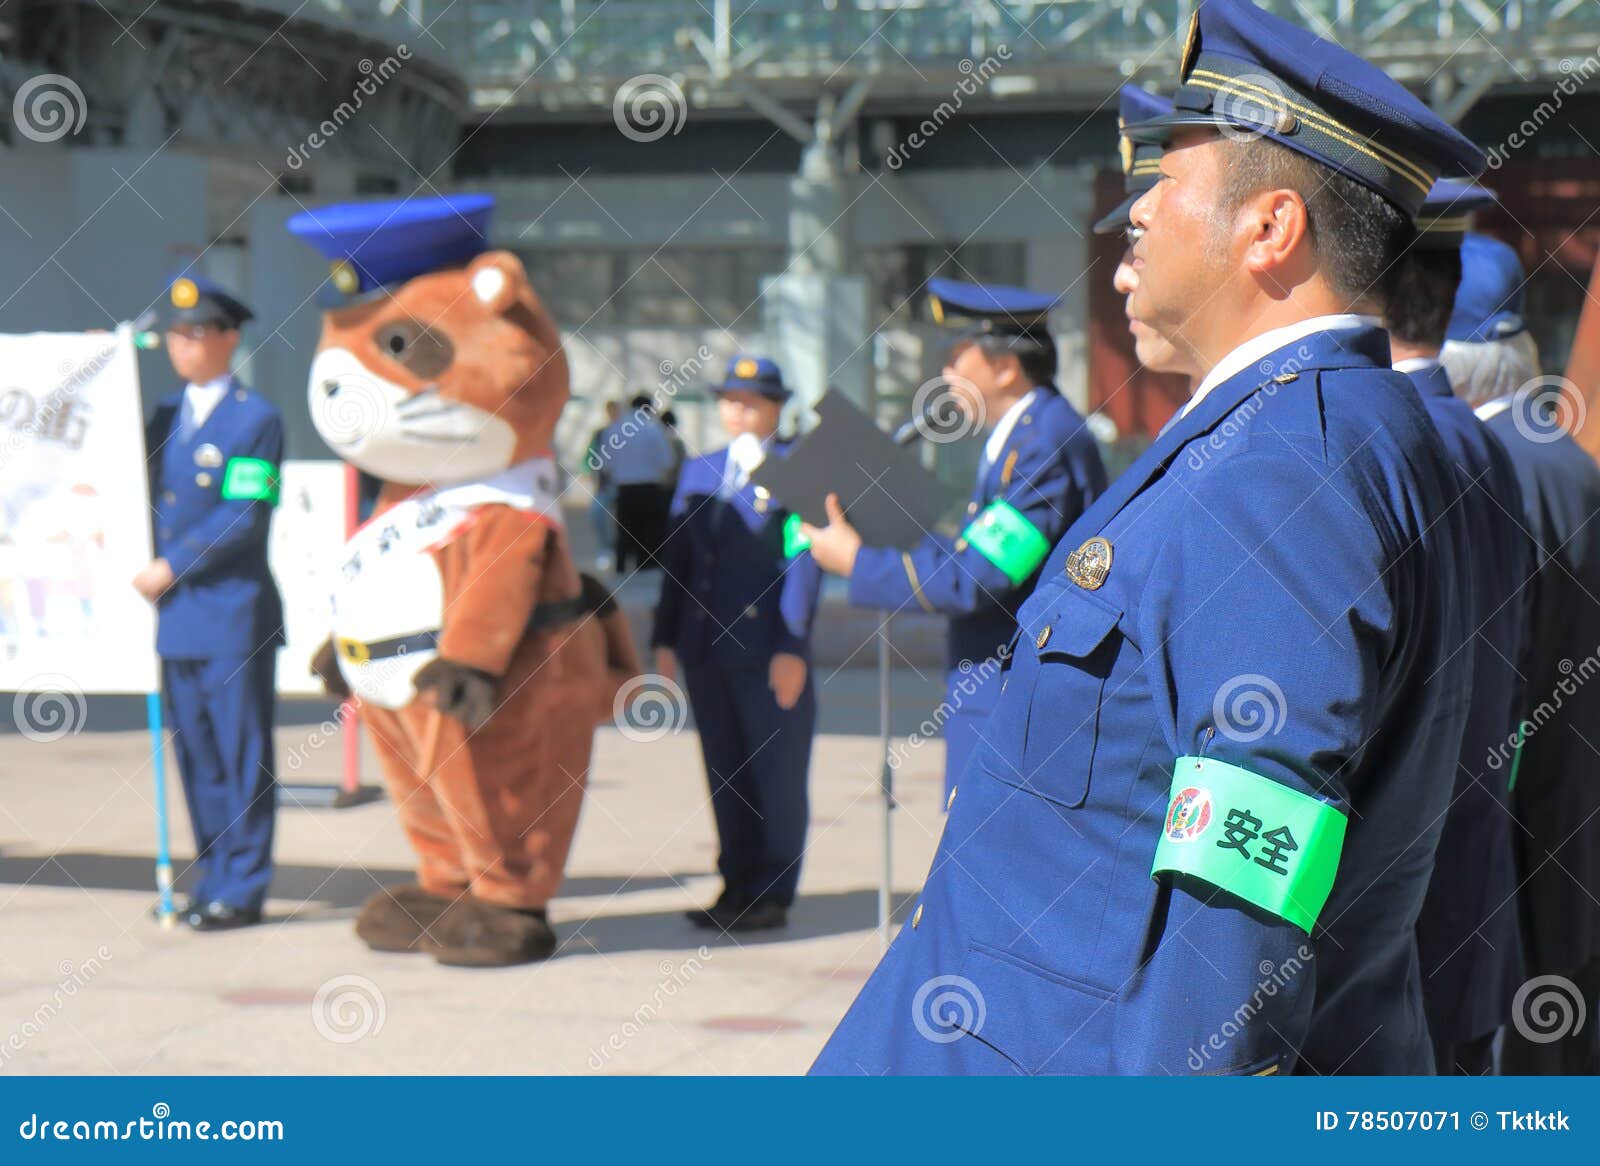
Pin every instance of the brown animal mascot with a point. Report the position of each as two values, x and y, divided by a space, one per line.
482 660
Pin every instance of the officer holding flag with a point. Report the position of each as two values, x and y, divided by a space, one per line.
215 450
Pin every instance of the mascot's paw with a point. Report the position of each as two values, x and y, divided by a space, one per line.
457 691
473 934
325 667
400 919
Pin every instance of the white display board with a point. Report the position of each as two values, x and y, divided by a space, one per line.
74 516
307 538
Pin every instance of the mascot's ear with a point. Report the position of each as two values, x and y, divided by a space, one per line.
497 277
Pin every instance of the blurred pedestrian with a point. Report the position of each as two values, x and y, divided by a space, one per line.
603 491
641 462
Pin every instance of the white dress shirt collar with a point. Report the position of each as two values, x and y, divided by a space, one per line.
1269 342
1008 421
201 400
1413 364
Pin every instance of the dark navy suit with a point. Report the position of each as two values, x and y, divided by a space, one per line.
1049 469
1253 678
219 627
730 600
1467 933
1556 795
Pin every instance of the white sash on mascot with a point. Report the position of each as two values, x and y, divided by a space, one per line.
388 602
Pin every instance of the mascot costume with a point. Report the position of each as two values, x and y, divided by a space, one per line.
482 660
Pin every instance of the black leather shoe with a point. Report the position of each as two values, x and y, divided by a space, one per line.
717 916
758 917
215 916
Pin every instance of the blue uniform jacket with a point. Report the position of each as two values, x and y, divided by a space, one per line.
1467 933
1557 794
1050 470
728 595
225 602
1279 600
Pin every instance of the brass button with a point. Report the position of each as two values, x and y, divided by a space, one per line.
238 394
202 479
1043 637
972 508
951 800
961 545
916 917
751 612
168 496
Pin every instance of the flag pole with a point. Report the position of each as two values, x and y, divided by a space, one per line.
158 762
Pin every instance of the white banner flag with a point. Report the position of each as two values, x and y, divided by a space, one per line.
74 517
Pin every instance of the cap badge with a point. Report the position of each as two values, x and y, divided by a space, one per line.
345 279
185 294
746 368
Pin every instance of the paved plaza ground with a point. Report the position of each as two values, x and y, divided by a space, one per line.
90 984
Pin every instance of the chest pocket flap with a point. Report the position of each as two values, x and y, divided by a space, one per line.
1074 643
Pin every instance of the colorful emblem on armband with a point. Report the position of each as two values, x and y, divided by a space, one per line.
1253 837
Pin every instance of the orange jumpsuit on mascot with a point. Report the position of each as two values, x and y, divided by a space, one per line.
482 660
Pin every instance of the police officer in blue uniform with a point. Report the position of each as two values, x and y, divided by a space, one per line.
1141 161
1040 469
1467 933
737 602
1549 763
1198 828
1141 168
215 450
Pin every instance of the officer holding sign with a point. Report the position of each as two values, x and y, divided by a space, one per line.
1040 469
214 453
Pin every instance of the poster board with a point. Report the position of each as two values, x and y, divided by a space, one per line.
304 550
74 516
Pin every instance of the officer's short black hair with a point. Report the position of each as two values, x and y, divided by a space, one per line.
1357 233
1034 352
642 403
1422 292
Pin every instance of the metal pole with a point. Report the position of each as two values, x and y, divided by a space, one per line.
158 762
886 783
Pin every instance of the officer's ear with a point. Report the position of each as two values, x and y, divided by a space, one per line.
1277 234
1007 369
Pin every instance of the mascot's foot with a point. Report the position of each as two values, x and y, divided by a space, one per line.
401 918
475 934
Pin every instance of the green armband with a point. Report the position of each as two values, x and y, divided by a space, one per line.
793 541
1003 535
250 479
1254 837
